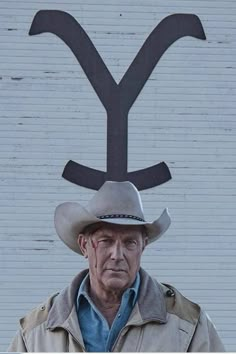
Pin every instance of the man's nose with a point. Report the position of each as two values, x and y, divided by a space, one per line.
117 252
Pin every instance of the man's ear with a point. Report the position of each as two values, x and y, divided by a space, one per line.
145 242
83 243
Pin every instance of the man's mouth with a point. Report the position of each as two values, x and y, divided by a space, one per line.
116 270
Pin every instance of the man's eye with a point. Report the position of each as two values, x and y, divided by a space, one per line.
131 243
105 241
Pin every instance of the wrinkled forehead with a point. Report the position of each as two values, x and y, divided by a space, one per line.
101 228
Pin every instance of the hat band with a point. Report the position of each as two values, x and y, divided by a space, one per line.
121 216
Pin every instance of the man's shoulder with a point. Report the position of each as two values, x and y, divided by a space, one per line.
179 305
165 301
61 302
37 315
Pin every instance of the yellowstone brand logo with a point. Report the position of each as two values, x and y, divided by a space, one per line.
117 99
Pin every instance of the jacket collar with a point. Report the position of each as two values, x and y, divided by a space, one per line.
65 302
63 311
151 293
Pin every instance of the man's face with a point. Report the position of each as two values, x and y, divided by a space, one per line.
114 254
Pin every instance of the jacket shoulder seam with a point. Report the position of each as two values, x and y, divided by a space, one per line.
178 304
36 316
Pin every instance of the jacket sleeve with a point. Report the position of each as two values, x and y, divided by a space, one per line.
17 344
206 338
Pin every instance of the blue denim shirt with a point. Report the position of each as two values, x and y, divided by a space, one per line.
97 335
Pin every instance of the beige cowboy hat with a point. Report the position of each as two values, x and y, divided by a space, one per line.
115 203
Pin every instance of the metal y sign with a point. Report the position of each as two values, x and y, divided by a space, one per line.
117 98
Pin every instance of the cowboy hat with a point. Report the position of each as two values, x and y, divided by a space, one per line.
115 203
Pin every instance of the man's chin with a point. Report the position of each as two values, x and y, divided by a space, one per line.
116 284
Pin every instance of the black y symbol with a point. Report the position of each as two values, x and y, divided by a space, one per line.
117 98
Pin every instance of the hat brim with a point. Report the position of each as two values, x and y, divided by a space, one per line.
71 218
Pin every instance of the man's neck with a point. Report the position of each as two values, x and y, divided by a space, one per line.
107 303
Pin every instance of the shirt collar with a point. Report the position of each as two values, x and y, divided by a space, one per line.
83 291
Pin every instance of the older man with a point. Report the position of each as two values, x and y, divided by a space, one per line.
115 305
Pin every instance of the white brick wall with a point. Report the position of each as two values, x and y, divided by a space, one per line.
184 116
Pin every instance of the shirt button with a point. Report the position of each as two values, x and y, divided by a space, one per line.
119 315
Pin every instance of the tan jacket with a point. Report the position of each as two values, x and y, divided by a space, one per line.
161 321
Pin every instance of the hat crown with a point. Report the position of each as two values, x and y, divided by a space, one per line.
116 198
